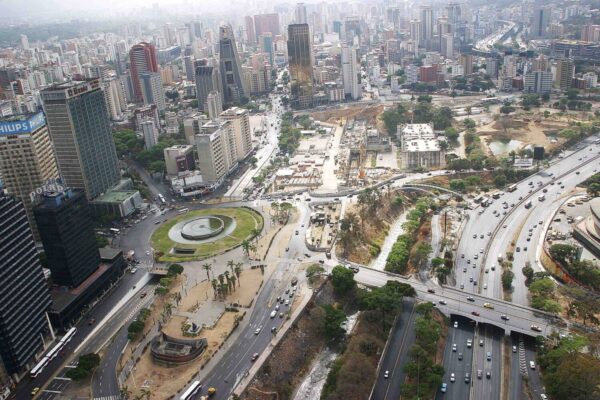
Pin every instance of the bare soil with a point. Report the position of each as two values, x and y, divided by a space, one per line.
370 113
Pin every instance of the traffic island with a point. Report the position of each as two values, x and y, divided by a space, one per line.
199 234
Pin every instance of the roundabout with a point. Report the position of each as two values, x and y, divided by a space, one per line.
204 233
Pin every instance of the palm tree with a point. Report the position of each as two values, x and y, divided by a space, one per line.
207 267
214 283
256 233
246 247
230 264
238 272
223 288
233 279
221 278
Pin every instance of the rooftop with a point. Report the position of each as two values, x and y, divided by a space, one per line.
115 196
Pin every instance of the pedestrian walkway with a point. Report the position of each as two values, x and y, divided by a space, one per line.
113 397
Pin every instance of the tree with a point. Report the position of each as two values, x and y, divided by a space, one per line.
457 185
562 252
507 109
238 271
507 278
101 241
421 254
528 272
469 123
134 329
451 134
342 279
332 322
313 271
246 245
157 166
208 268
175 269
500 180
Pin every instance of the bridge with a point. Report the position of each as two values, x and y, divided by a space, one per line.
429 187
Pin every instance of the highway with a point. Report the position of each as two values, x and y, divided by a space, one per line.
464 330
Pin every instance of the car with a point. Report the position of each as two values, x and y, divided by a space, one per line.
481 251
488 374
476 256
456 324
536 328
475 313
147 252
273 329
462 286
444 387
481 236
467 377
287 302
143 294
34 391
452 377
479 374
485 287
542 395
532 364
280 315
475 236
514 348
488 356
504 317
443 302
470 279
296 233
454 347
287 249
386 374
464 269
257 331
462 255
480 342
460 356
488 305
469 343
254 357
277 307
430 291
470 298
91 321
469 261
489 233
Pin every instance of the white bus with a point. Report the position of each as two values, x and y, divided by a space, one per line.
35 371
162 198
68 336
183 211
192 390
115 231
512 188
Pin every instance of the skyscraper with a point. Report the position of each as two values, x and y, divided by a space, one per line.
81 134
466 60
426 26
216 151
24 297
143 60
67 232
207 80
152 90
300 16
351 72
230 67
26 158
416 32
250 33
300 65
565 68
541 21
266 23
214 105
240 124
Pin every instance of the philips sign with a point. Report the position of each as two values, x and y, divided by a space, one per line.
25 126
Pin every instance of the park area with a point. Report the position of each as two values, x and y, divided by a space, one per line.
247 223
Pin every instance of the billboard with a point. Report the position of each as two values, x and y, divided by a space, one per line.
26 125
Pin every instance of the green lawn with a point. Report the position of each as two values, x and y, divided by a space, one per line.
246 220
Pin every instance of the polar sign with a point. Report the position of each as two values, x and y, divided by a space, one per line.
24 126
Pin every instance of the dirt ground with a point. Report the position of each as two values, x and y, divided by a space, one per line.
195 296
250 282
333 116
164 382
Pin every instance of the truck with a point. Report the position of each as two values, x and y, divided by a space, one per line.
542 197
130 255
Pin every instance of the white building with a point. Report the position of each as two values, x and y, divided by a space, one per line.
412 74
216 151
192 126
591 79
149 133
537 82
178 159
240 124
351 72
214 105
420 147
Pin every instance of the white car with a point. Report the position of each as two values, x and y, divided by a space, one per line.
456 324
257 331
452 377
386 374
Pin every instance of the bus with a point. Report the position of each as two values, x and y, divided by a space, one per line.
478 199
35 371
55 350
68 336
115 231
192 390
183 211
485 202
511 188
162 198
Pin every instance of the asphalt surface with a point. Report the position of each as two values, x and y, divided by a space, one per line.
535 382
487 388
459 389
400 341
517 366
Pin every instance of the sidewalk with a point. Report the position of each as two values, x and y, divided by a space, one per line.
243 383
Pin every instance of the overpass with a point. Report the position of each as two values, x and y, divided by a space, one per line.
430 188
520 318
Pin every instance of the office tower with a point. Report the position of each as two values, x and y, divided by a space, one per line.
80 131
116 101
152 90
466 60
541 21
188 64
300 65
538 82
453 13
426 16
67 233
266 44
300 14
416 31
149 133
351 72
565 68
24 42
24 297
26 158
266 23
215 146
491 67
230 67
214 105
192 126
240 124
250 33
207 80
590 33
447 45
143 60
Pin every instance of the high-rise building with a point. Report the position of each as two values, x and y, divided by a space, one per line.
565 68
230 67
416 31
537 82
250 33
266 23
426 16
590 33
447 45
466 60
24 42
541 21
215 146
491 67
143 60
149 133
192 126
116 101
80 131
300 16
67 232
24 297
207 80
26 158
351 72
240 124
179 158
152 90
300 65
214 105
